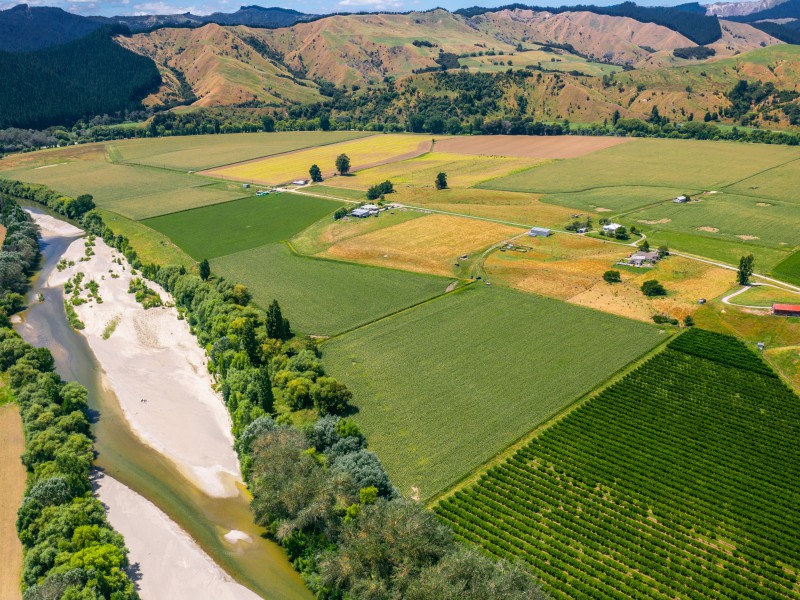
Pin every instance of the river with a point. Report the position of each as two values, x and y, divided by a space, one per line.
261 566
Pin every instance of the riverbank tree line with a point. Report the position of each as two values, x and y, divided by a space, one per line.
316 487
71 552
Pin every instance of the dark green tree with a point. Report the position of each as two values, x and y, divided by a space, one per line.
264 388
205 269
644 246
249 342
652 287
340 213
612 277
745 269
688 321
343 164
268 123
277 327
441 181
316 173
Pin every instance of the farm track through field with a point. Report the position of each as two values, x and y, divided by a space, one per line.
772 168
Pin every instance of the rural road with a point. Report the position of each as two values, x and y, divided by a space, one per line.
726 299
775 282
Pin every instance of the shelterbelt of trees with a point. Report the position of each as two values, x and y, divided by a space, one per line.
317 489
71 551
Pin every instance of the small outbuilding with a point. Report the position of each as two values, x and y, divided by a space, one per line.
539 232
786 310
300 181
681 199
360 213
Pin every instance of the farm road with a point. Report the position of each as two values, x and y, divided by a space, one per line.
772 280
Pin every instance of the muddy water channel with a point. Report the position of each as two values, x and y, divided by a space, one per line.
261 565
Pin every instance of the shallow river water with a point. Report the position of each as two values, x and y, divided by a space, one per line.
262 565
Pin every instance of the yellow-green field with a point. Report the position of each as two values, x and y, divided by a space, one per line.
766 296
562 62
431 244
462 171
200 152
363 153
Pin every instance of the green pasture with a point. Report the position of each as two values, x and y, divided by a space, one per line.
789 269
773 223
195 153
612 200
325 297
691 164
444 386
133 191
780 183
222 229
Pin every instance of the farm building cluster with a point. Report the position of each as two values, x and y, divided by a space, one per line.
641 258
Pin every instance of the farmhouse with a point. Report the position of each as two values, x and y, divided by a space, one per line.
539 232
786 310
640 258
611 227
360 213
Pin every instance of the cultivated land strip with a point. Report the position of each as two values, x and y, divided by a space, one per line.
12 487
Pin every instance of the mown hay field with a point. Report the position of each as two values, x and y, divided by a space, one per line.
431 244
443 387
570 268
12 488
325 297
608 201
363 153
222 229
151 246
694 164
133 191
537 58
677 481
195 153
781 183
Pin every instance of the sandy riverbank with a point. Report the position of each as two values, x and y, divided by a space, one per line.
166 562
12 487
153 364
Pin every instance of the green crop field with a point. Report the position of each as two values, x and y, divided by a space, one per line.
729 217
443 387
195 153
781 183
694 164
789 269
678 481
132 191
222 229
325 297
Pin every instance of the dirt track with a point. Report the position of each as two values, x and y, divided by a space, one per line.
12 486
524 146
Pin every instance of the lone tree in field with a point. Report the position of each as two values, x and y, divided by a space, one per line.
343 164
653 288
745 269
441 181
316 174
612 277
277 327
205 270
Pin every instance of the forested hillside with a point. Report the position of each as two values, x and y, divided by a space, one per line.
24 28
59 85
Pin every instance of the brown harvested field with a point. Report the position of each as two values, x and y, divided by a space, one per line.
12 486
2 234
571 268
431 244
54 156
561 146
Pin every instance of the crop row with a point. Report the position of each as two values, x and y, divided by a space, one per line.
678 481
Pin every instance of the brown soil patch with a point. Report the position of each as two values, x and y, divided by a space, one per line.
763 204
601 209
562 146
708 229
655 221
12 486
748 238
2 234
430 244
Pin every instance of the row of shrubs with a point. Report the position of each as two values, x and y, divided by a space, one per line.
317 489
70 550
